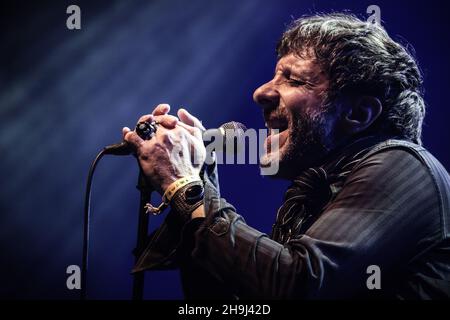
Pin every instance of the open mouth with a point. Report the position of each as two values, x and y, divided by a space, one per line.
278 134
278 123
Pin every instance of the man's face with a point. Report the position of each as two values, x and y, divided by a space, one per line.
293 103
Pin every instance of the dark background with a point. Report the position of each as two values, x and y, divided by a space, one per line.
65 94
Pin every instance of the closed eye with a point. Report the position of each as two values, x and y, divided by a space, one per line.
296 82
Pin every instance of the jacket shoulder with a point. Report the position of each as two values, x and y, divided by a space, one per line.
439 175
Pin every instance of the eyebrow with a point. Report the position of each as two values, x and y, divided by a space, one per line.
304 75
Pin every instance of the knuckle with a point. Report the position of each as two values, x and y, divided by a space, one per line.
166 134
169 118
158 146
168 137
162 118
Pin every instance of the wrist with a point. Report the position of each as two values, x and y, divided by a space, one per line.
169 181
183 195
188 197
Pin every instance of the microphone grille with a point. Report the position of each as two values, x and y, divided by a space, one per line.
233 125
233 139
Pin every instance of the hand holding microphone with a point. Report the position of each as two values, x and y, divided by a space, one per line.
174 151
165 147
177 143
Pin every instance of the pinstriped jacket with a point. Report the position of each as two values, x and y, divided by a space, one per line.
392 211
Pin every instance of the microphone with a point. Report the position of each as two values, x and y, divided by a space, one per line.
226 132
118 149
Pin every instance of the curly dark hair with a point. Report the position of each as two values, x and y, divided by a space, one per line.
361 58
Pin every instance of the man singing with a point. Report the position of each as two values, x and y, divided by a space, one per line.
365 195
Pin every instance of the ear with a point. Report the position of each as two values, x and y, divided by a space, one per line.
361 113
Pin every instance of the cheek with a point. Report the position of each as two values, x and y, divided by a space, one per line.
302 101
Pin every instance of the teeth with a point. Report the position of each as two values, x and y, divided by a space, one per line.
275 126
276 131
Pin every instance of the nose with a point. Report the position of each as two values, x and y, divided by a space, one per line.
267 96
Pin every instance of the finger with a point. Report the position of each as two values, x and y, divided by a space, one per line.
195 138
146 118
125 130
132 138
167 121
161 109
196 132
189 119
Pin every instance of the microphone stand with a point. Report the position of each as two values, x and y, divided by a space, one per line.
145 130
142 233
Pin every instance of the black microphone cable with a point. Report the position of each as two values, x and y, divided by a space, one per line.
86 224
146 131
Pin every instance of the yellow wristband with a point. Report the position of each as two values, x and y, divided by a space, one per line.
169 193
176 185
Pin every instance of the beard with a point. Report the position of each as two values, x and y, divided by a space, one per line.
308 143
